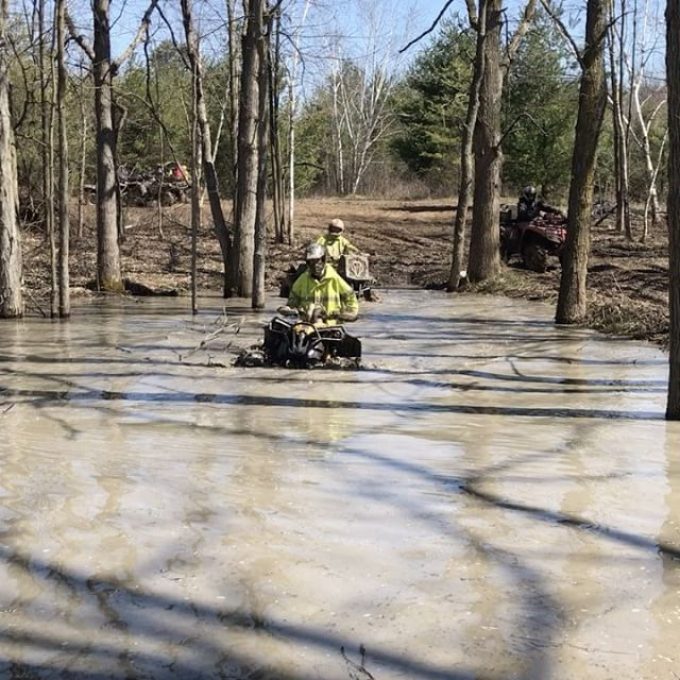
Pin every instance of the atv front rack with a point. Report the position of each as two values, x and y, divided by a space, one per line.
302 344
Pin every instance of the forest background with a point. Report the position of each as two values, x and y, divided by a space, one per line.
368 120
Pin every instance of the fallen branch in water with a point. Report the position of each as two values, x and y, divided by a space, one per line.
223 325
35 303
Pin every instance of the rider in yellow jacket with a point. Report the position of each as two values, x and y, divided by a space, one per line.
335 243
322 289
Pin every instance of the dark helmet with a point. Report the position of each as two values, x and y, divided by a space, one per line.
529 193
315 251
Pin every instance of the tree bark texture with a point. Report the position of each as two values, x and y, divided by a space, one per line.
45 66
11 304
83 156
620 138
108 254
260 254
278 185
246 194
195 167
572 304
466 157
673 80
63 172
484 261
211 180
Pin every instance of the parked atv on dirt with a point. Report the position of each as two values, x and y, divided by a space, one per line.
534 240
354 268
300 342
145 188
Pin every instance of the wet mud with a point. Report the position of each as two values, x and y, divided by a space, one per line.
490 496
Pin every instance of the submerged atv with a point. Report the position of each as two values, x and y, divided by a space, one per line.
354 268
534 240
303 343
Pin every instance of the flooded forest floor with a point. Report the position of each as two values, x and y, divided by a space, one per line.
409 243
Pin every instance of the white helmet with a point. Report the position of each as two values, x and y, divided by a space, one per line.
315 251
336 224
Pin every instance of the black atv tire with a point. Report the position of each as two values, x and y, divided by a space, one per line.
535 257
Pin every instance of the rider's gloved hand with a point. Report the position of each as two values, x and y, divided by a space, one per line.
318 313
346 316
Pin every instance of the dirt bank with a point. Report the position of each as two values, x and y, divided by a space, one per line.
409 243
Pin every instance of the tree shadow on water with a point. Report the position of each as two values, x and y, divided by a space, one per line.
157 619
88 396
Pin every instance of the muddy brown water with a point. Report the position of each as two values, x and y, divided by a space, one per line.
491 497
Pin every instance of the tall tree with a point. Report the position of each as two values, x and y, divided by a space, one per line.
260 250
246 188
673 209
202 128
484 260
11 304
572 303
466 148
292 114
105 68
616 40
63 170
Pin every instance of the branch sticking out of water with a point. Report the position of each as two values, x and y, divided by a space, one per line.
223 325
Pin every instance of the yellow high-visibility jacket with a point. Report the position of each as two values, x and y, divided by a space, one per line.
336 246
331 291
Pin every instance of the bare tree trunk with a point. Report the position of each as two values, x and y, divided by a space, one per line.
673 209
652 195
260 253
108 255
63 203
11 303
47 94
621 152
338 123
484 260
572 304
292 112
278 192
119 116
83 155
292 99
246 196
104 69
234 56
466 157
234 53
195 149
207 156
652 200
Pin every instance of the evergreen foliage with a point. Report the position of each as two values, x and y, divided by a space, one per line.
540 111
430 105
